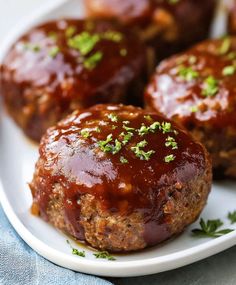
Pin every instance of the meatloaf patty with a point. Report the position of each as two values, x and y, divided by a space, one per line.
167 25
197 90
120 178
64 65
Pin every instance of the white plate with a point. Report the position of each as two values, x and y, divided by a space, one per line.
17 159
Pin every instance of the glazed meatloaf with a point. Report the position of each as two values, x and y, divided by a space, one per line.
120 178
197 90
167 25
64 65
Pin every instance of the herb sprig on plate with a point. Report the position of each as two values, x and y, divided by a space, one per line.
212 228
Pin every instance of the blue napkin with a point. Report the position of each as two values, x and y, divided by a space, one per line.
20 265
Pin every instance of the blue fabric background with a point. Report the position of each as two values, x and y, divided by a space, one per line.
20 265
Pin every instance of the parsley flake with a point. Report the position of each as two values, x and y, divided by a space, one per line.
210 87
104 145
141 153
166 127
148 118
170 142
123 160
193 109
232 217
126 137
70 31
75 251
53 52
187 73
228 70
85 133
128 129
83 42
32 47
117 147
104 255
169 158
210 229
91 62
112 36
143 130
113 117
225 46
155 126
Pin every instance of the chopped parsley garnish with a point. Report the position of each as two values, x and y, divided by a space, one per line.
113 117
53 52
187 73
211 228
210 87
170 142
232 217
70 31
155 126
32 47
193 109
114 145
84 42
123 160
166 127
126 137
143 130
228 70
112 36
75 251
104 145
140 153
169 158
128 129
104 255
85 133
148 118
98 130
52 35
225 46
117 147
92 61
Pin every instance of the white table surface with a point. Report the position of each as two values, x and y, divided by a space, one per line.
217 270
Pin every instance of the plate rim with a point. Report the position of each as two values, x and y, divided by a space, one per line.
125 268
98 267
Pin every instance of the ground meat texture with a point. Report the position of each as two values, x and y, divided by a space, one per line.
197 90
120 178
169 26
64 65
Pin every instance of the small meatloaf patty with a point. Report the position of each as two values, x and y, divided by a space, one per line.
69 64
197 90
120 178
167 25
